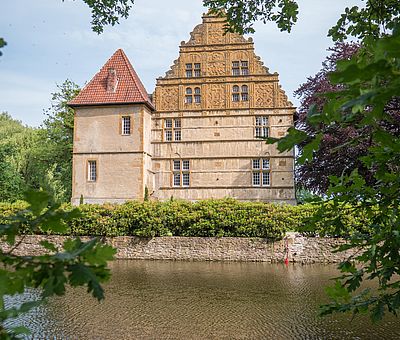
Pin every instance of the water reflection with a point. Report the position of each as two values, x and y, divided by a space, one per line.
204 300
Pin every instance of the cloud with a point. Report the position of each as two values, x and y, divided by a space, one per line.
52 40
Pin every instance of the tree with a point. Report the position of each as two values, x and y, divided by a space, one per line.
365 98
16 164
56 153
377 17
77 264
329 160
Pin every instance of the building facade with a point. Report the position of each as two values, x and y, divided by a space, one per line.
198 137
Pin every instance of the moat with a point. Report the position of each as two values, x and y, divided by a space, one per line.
205 300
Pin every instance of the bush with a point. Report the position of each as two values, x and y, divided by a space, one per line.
212 218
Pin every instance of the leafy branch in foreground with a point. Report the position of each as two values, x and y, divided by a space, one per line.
370 94
241 14
77 264
108 12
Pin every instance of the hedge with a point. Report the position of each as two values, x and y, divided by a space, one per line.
212 218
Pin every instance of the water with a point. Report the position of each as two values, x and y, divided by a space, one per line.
204 300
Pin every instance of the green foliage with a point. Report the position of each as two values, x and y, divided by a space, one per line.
369 97
108 12
211 218
55 153
146 193
77 264
2 44
376 18
241 14
39 158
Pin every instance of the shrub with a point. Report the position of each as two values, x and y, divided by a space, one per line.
212 218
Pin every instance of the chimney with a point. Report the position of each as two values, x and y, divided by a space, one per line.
112 80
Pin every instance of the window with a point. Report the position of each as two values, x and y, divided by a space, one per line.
188 97
181 173
261 128
261 175
245 67
235 93
240 93
256 178
197 69
235 68
177 134
189 72
168 123
240 68
126 125
245 93
177 179
197 95
172 129
168 135
92 171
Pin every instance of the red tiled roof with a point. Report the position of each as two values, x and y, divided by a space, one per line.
129 87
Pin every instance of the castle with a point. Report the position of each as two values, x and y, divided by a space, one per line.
196 137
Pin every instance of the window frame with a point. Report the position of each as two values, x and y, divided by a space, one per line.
122 125
181 170
261 126
189 70
240 68
172 127
261 171
89 170
240 93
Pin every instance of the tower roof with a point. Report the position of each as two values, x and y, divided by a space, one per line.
115 83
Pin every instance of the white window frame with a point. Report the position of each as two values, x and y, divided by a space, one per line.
126 125
261 129
92 170
172 129
261 172
181 173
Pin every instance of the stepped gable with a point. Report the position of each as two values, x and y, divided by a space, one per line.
211 36
115 83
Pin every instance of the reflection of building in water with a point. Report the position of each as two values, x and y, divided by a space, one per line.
197 137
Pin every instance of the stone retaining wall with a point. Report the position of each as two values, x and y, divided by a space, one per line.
300 249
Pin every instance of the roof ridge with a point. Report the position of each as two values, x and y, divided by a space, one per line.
135 77
130 88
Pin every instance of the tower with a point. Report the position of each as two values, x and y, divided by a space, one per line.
112 150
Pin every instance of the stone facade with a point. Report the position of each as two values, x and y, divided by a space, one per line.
300 249
201 140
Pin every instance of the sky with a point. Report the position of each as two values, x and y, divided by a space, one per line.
49 41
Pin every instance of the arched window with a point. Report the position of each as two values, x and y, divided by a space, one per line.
188 97
197 95
235 93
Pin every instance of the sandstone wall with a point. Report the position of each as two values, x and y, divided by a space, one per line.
301 249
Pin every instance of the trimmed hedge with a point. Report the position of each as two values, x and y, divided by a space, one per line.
212 218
